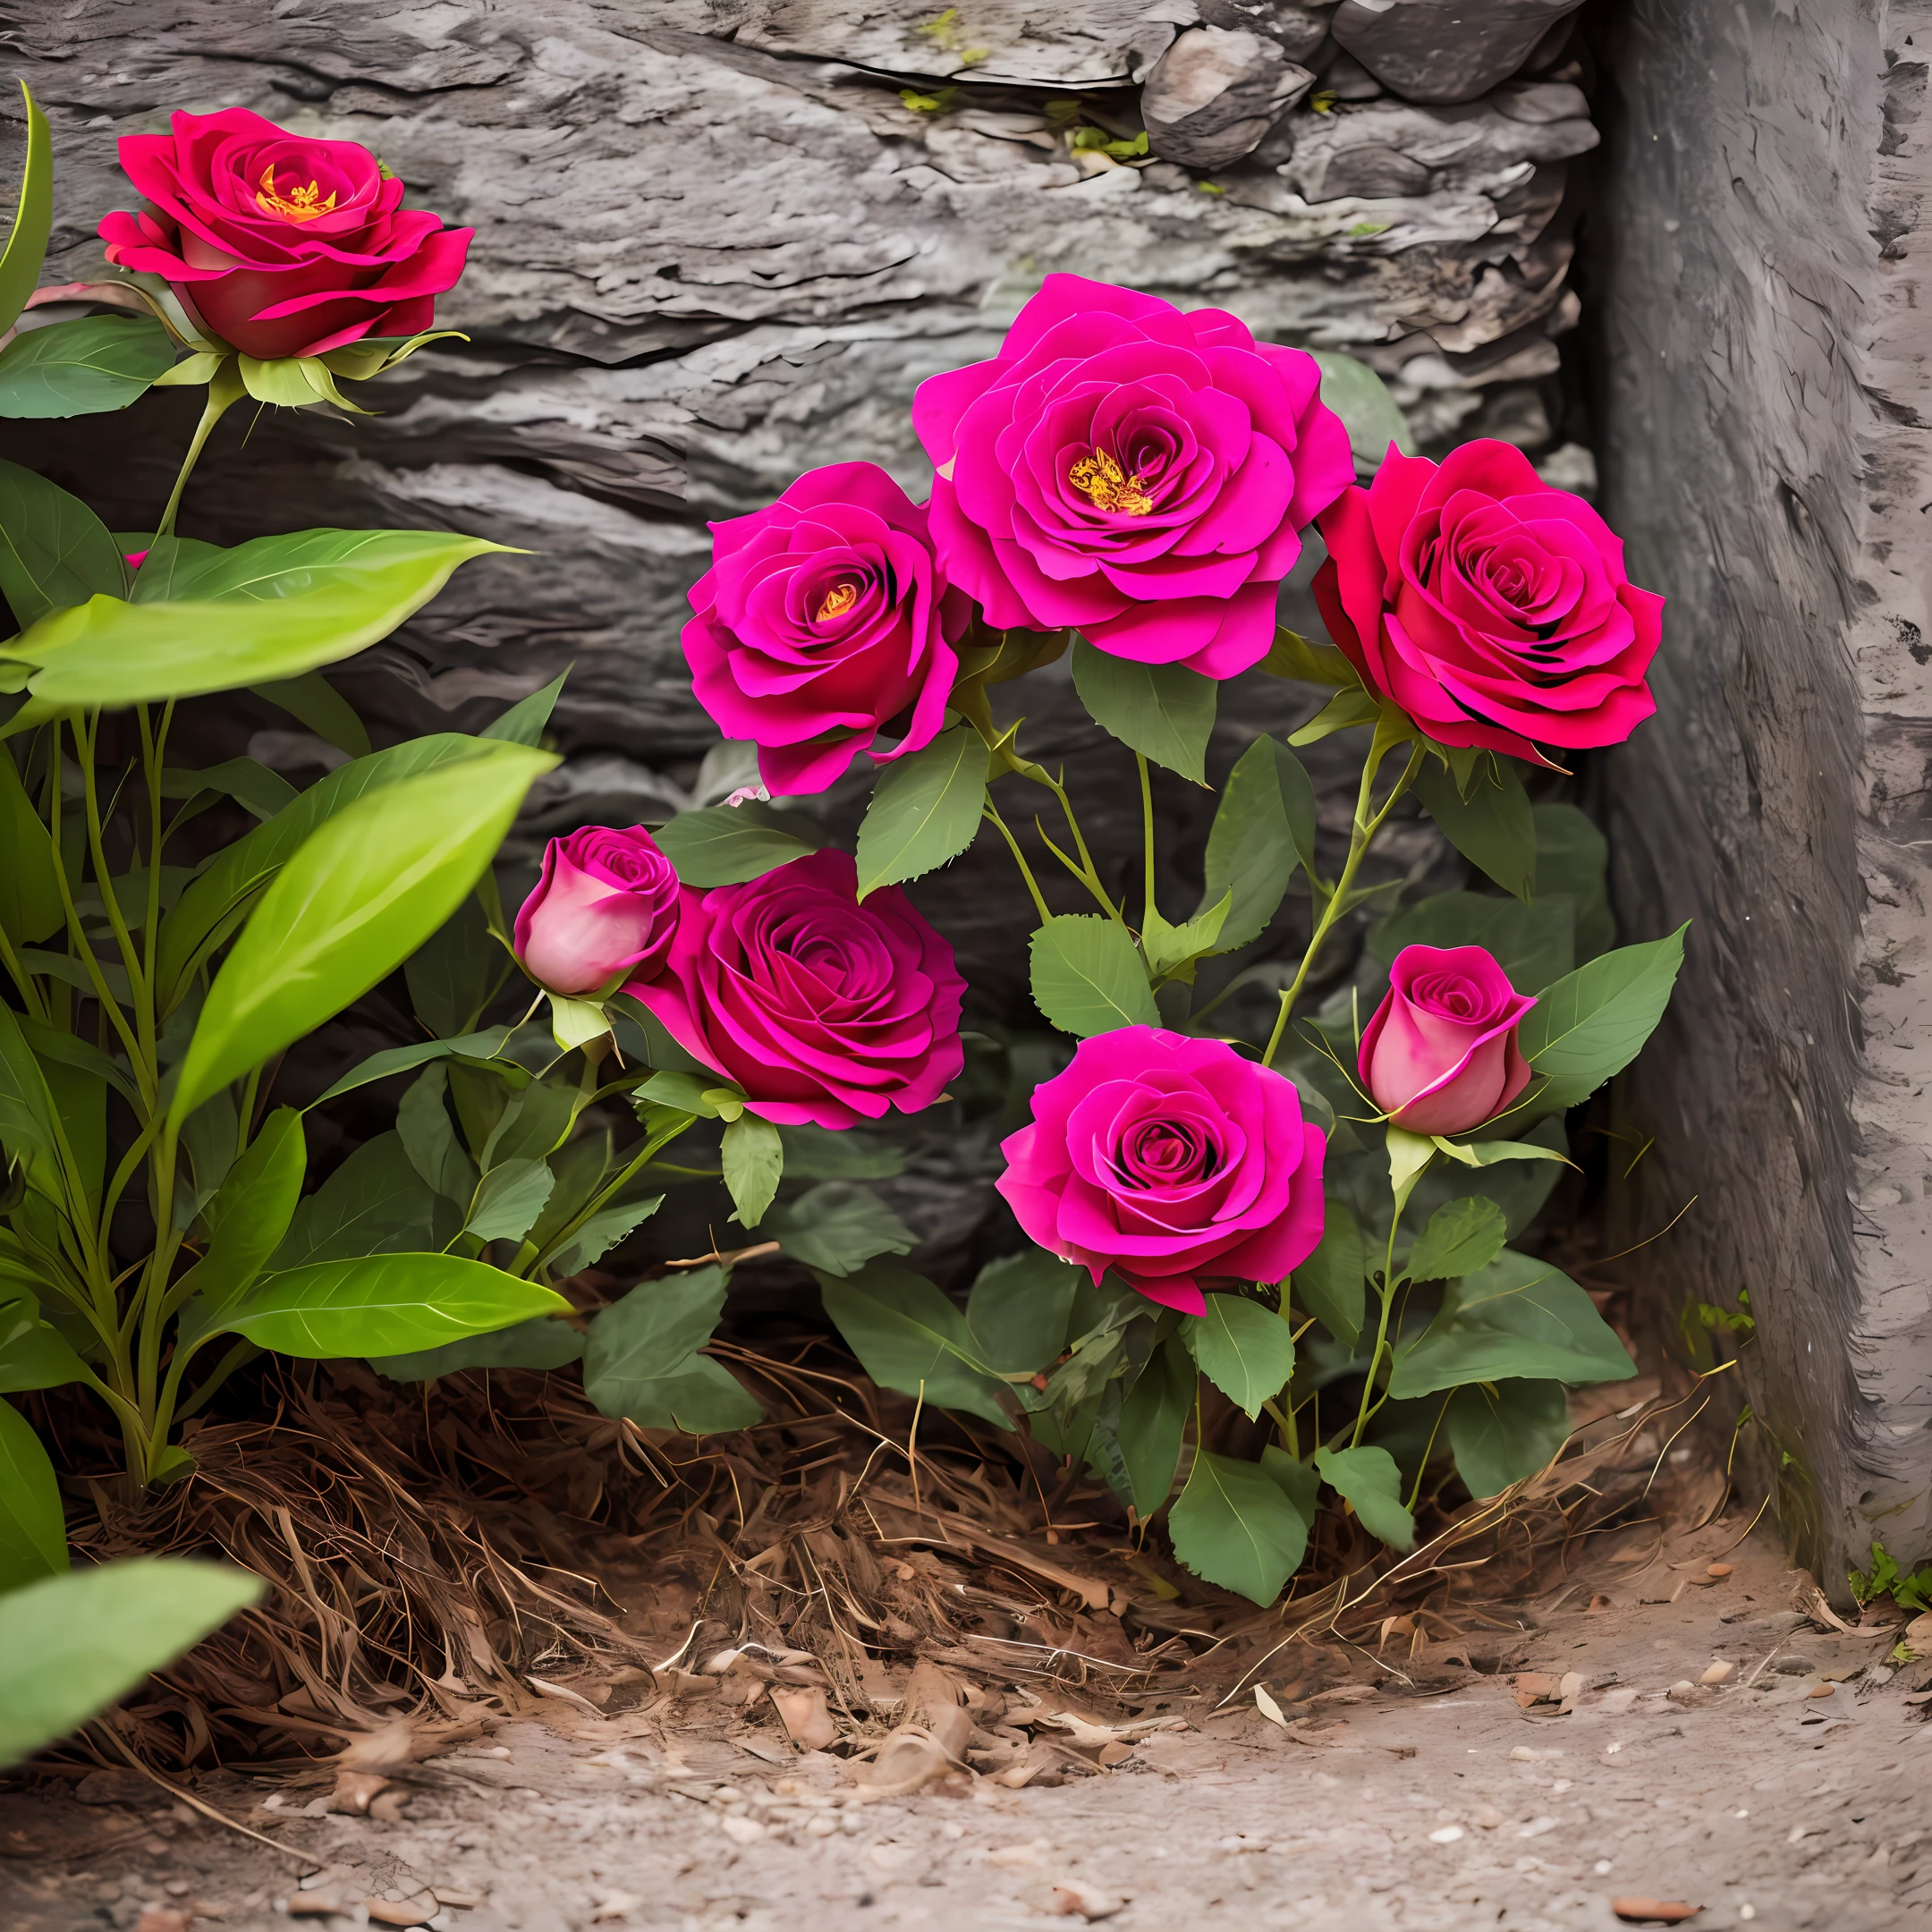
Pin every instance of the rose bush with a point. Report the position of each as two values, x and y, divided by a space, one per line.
606 904
823 1009
821 619
283 245
1139 473
1440 1054
1172 1161
1490 607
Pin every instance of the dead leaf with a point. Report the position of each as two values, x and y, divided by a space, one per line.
563 1694
802 1711
1074 1898
1719 1672
1823 1690
414 1911
1268 1708
1916 1635
1535 1687
1653 1912
1810 1599
1600 1602
355 1791
1110 1755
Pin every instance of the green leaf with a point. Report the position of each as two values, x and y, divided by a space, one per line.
704 1398
34 1355
251 1212
33 1526
33 218
1369 412
924 810
851 1154
1173 951
1501 1432
1368 1477
1488 1153
909 1336
1153 1419
1018 1311
835 1228
374 1203
508 1199
391 1304
1330 1283
727 844
312 700
702 1094
71 1646
1460 1237
252 786
575 1023
1236 1527
54 551
1573 858
1245 1350
1534 944
542 1344
1089 978
1408 1155
753 1157
1593 1023
523 723
269 609
534 1125
600 1233
1344 709
358 896
641 1358
30 907
1517 1317
1264 821
1492 827
393 1060
1165 712
30 1122
81 368
1294 656
1297 1480
429 1138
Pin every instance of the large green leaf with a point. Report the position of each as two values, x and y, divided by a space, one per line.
1087 977
1330 1283
393 1060
924 810
34 1355
508 1199
81 368
641 1358
523 723
909 1337
312 700
1593 1023
1533 944
1500 1432
248 1217
391 1304
374 1203
752 1157
1263 823
1236 1527
429 1139
1492 827
1462 1236
837 1227
358 897
1165 712
54 551
272 608
30 907
1153 1419
33 217
1245 1350
1368 1477
1517 1317
1369 412
849 1153
33 1527
1018 1311
71 1646
541 1343
453 973
703 1398
1573 858
728 844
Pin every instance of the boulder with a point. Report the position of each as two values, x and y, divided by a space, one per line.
1445 50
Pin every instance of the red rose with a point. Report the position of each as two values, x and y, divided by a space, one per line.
283 246
1492 608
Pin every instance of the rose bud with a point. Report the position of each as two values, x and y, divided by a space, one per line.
607 904
1440 1056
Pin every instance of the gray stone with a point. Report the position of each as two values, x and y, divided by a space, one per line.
1445 50
1215 92
1300 29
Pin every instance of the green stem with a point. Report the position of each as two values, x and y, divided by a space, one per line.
30 992
1146 828
1386 1294
632 1168
130 955
1025 871
1415 1494
223 392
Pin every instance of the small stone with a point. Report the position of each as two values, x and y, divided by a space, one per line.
1445 1835
740 1829
1718 1671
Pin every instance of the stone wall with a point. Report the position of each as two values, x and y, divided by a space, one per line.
1761 284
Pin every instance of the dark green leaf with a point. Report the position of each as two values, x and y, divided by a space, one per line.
429 1138
508 1199
753 1159
1019 1309
54 551
1297 1480
392 1060
34 1355
924 810
251 1214
1492 827
30 1122
1245 1350
1330 1283
1593 1023
312 700
727 844
453 973
1264 821
81 368
30 907
1533 944
1516 1317
523 723
391 1304
374 1203
1346 709
1573 858
1501 1432
252 786
1519 1188
837 1227
1368 1477
641 1358
534 1125
33 220
1462 1236
1294 656
1165 712
1154 1414
33 1526
703 1398
600 1233
820 1153
1235 1526
358 897
541 1343
1089 978
909 1337
1369 412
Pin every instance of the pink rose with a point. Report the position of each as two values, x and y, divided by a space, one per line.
823 1011
1440 1056
285 245
607 904
1139 474
821 618
1172 1161
1492 608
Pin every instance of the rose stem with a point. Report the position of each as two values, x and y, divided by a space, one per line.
1012 845
1415 1494
1147 832
1387 1295
224 389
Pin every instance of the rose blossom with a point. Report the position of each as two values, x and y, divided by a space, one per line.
284 245
1139 474
821 618
1440 1056
607 904
823 1009
1172 1161
1492 608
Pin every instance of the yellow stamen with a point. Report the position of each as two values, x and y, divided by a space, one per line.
839 599
299 205
1099 477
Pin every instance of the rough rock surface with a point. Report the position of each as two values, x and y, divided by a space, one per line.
1445 50
1213 95
1766 279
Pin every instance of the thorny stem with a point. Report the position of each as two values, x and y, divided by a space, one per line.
1012 845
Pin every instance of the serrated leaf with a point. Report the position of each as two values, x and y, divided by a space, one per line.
1460 1237
1165 712
1018 1311
727 844
1172 951
909 1336
1502 1432
649 1336
508 1199
600 1233
1245 1350
1492 828
836 1227
1593 1023
1087 977
1264 824
1372 1483
1236 1527
753 1158
924 810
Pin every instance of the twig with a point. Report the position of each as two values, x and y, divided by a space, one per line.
209 1810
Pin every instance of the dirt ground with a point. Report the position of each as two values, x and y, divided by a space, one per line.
1798 1792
